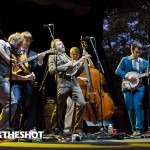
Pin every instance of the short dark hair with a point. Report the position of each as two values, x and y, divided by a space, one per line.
27 35
136 44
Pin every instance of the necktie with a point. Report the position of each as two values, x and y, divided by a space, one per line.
136 65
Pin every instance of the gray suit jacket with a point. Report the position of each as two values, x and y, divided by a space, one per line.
62 80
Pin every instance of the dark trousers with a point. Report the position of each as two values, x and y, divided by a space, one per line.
23 92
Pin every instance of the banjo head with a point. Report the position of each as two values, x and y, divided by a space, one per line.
132 85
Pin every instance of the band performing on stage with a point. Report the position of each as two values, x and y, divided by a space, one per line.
81 91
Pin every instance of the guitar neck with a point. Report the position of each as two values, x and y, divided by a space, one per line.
35 56
29 59
142 75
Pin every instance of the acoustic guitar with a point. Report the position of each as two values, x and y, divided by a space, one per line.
23 60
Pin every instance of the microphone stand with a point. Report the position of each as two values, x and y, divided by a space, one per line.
148 82
42 86
99 65
56 98
46 72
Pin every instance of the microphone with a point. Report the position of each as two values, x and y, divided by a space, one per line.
89 37
148 46
47 25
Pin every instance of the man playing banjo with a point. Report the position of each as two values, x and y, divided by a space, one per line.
131 69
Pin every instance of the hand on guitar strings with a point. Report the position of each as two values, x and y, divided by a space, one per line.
14 63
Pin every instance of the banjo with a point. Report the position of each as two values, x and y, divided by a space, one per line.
73 70
126 83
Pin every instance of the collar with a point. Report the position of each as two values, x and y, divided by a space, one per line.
131 58
23 51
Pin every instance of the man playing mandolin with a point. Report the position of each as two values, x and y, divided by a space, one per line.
130 70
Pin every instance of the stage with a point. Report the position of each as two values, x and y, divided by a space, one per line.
126 143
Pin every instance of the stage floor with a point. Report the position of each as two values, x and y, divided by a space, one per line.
124 144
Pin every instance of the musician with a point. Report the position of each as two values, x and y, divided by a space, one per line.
23 91
5 61
75 54
133 98
66 86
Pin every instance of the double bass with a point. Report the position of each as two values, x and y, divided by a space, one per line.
99 105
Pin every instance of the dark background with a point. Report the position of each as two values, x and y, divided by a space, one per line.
72 19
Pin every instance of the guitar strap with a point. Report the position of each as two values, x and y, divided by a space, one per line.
66 57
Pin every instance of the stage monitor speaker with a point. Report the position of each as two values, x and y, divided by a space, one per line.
49 107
